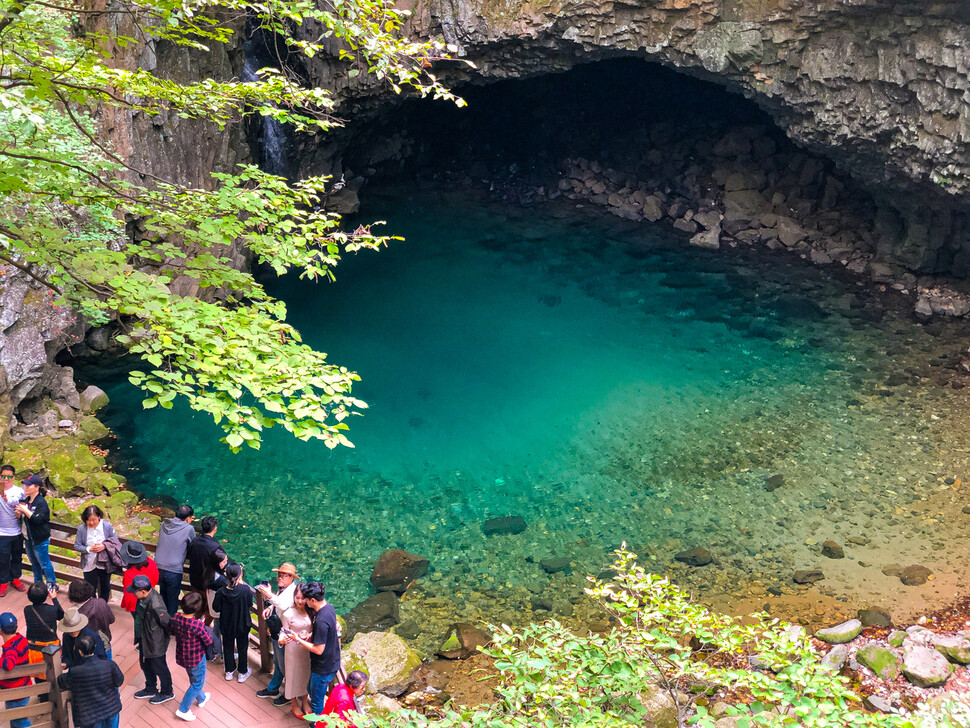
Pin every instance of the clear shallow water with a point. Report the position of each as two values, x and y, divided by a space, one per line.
597 377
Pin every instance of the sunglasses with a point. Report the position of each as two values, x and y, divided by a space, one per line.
6 477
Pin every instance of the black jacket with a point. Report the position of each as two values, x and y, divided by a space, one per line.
201 555
94 687
234 607
39 524
152 617
69 651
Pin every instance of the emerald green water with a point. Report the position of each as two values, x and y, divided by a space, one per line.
597 377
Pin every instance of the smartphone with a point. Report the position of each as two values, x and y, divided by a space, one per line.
264 583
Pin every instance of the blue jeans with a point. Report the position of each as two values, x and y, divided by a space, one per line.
17 722
169 586
40 561
277 679
195 693
111 722
317 687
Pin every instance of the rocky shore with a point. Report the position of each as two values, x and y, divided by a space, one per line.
742 188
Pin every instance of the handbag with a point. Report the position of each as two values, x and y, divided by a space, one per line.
273 625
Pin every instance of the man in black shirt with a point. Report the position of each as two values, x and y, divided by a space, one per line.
323 642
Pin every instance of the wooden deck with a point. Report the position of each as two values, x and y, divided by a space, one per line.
232 705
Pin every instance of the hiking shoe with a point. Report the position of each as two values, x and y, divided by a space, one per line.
19 585
161 698
230 675
187 715
145 693
267 693
280 701
244 676
202 703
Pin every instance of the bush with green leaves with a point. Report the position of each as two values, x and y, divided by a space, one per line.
660 640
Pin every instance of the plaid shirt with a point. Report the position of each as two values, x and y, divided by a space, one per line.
191 638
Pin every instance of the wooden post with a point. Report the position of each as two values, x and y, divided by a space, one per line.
58 697
265 644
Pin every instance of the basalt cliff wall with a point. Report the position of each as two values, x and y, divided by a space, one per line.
880 87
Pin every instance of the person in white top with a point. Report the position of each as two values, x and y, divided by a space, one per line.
286 579
11 539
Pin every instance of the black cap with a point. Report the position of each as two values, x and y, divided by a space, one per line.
139 583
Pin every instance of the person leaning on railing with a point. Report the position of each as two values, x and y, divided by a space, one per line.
94 683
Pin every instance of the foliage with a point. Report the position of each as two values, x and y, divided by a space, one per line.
67 196
662 641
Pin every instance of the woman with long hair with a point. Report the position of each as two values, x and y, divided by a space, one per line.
234 602
296 657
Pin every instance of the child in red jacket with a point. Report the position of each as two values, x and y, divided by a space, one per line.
14 653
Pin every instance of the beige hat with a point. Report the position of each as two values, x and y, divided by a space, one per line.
73 621
287 568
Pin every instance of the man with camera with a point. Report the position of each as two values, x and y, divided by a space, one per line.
286 580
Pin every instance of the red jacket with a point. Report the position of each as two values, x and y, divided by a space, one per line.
14 653
130 601
340 702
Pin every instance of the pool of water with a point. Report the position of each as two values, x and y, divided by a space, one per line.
599 378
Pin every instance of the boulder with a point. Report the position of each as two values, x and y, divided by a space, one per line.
835 658
396 569
925 667
660 710
954 649
875 617
896 638
878 704
653 209
840 633
92 399
375 614
685 225
744 204
883 662
380 706
506 525
709 239
554 565
774 482
384 656
789 232
697 556
808 576
832 550
914 575
463 641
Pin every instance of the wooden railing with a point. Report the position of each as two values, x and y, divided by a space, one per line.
52 713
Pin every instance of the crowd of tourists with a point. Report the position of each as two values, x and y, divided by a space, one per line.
210 621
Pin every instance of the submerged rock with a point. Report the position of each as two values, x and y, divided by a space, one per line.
875 617
832 550
925 667
396 569
463 641
375 614
808 576
774 482
697 556
914 575
506 525
840 633
554 565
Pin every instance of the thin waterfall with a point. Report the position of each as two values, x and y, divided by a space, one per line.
272 138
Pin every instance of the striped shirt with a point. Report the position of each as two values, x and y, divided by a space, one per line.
14 653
